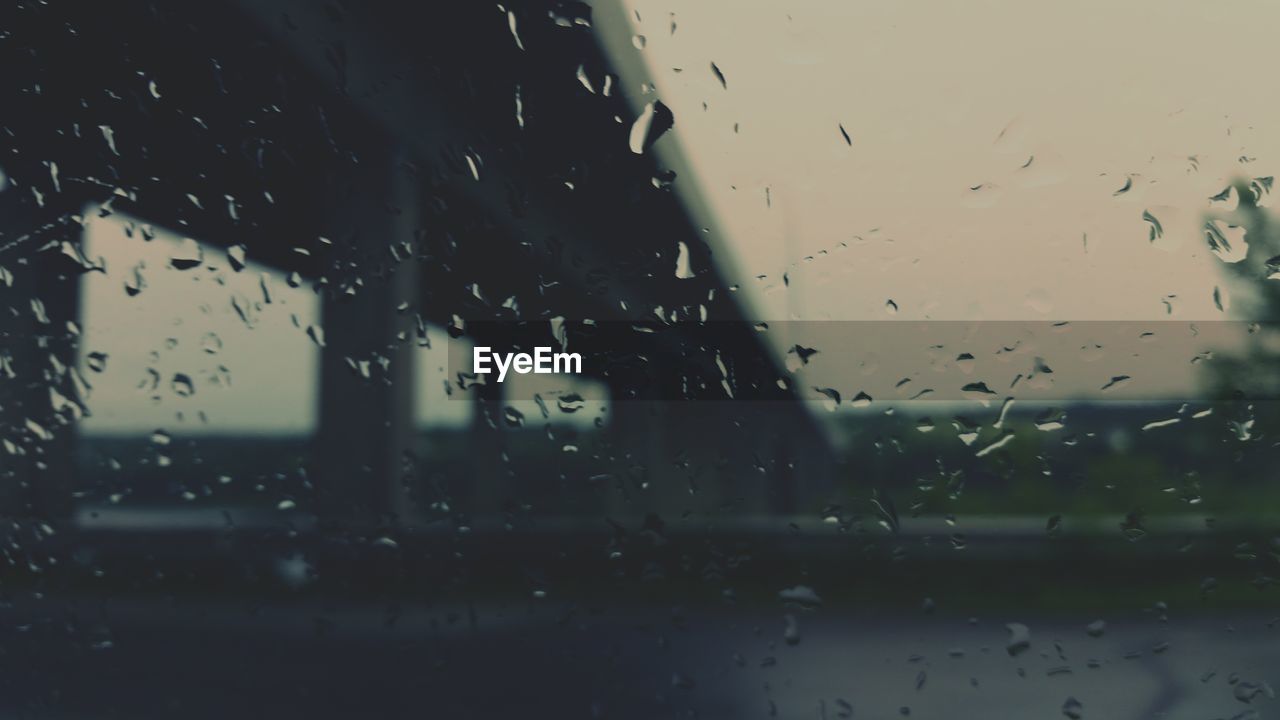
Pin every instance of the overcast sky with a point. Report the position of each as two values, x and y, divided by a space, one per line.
989 143
1049 108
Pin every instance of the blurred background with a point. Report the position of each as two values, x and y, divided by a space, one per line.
929 359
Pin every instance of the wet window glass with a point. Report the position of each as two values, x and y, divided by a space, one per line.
638 359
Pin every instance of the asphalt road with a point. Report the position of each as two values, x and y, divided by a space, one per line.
142 658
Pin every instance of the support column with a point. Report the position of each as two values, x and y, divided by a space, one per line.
40 397
638 432
486 485
366 370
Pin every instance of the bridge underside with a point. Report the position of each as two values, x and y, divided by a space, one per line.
412 164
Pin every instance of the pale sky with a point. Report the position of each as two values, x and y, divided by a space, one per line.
259 376
939 98
1047 109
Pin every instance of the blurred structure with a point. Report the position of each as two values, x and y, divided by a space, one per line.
417 165
702 547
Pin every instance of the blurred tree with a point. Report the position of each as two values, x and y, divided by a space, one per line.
1246 382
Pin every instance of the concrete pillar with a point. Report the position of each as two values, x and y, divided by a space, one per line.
485 484
40 395
367 366
644 474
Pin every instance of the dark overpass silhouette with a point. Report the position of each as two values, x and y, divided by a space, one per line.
416 165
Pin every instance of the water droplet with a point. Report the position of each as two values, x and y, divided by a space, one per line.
40 431
236 257
1156 230
1053 527
654 120
683 271
798 356
38 311
715 70
581 74
802 596
1242 429
1245 692
1116 382
182 385
1227 242
977 389
515 33
1004 439
570 403
791 633
1226 200
1019 639
1050 420
134 283
1131 526
474 163
1261 188
664 179
831 398
187 256
966 429
316 333
569 15
1157 424
110 136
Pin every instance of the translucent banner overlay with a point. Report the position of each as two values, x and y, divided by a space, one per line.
856 363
